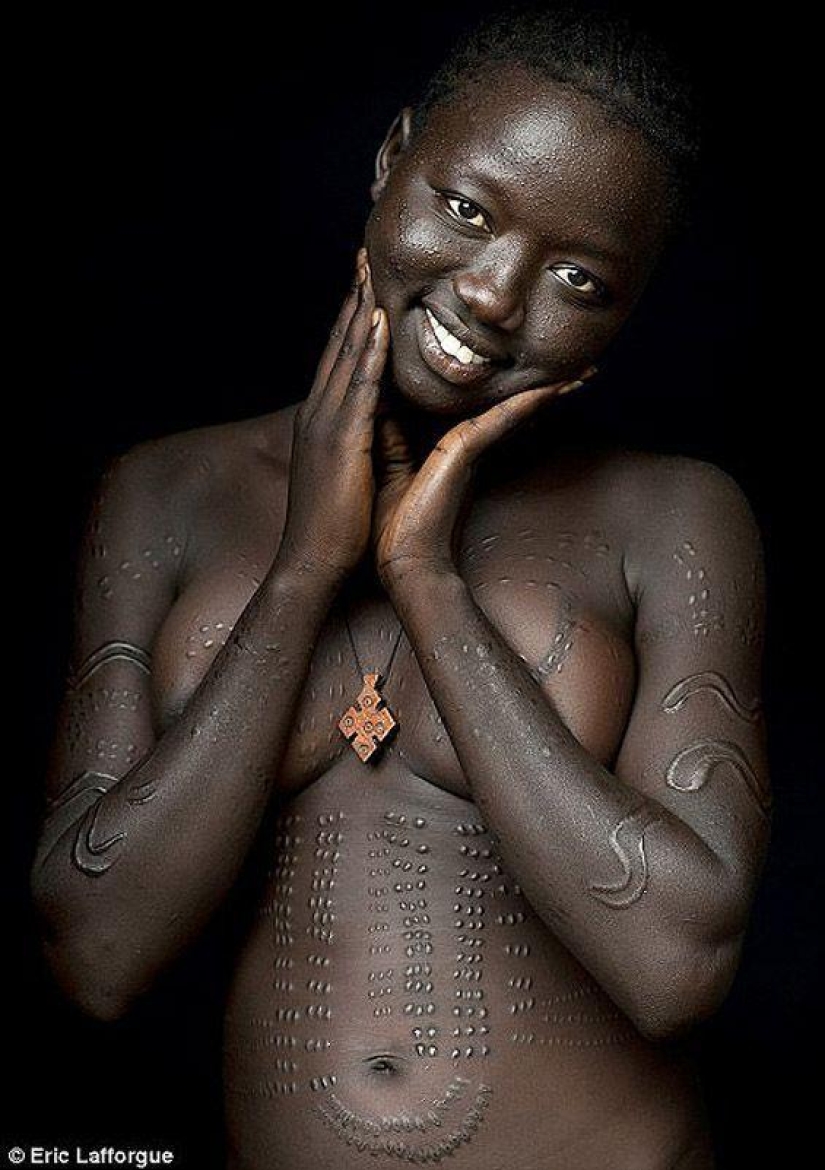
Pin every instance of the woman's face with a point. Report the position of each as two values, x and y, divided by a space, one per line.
522 224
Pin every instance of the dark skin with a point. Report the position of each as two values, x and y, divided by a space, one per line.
487 946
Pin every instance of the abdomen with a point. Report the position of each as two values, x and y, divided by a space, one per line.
397 1000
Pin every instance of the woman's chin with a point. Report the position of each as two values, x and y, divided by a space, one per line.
423 390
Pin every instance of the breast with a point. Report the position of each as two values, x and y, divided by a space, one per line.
584 665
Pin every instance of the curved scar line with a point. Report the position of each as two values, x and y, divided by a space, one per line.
709 680
110 652
67 810
383 1136
627 842
554 660
691 769
91 856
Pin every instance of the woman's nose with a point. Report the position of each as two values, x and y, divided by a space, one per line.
493 294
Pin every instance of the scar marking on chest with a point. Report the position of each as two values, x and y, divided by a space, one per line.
408 857
531 545
693 767
715 684
146 560
287 843
627 843
278 1032
380 942
327 855
564 1024
623 1036
423 1135
302 979
110 652
476 879
562 643
705 617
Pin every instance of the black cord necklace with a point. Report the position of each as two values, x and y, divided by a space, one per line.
369 722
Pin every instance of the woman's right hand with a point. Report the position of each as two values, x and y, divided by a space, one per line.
331 483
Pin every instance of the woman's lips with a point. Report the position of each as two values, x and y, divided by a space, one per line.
448 366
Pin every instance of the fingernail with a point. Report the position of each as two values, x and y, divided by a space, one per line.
361 258
376 317
571 386
590 371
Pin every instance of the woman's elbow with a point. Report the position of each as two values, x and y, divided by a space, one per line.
89 991
686 991
87 982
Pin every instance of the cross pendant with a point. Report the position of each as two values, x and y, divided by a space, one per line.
368 723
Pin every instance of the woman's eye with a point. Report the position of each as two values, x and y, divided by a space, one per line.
466 211
577 278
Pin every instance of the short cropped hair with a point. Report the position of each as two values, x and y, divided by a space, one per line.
600 51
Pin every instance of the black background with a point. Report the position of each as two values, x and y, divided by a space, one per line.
205 182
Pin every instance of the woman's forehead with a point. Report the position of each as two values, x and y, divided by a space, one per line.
518 122
536 146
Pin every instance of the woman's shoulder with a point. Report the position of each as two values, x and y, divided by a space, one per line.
622 475
641 496
675 486
195 465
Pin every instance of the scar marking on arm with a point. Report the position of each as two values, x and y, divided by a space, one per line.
627 842
709 680
110 652
691 769
78 805
704 616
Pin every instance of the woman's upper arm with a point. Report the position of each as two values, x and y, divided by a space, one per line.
696 737
127 568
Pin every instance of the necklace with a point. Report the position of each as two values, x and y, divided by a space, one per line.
368 723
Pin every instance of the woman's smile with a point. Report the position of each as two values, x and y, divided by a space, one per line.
448 352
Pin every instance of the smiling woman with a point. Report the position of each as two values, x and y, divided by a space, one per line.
559 221
494 748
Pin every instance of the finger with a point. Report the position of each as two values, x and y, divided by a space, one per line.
364 385
474 435
566 387
392 448
339 329
352 345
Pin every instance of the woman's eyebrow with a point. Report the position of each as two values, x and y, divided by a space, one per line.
614 256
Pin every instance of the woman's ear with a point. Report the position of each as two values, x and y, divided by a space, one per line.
394 143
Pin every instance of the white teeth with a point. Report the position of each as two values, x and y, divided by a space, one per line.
453 346
449 343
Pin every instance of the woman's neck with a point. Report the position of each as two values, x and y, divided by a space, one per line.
422 429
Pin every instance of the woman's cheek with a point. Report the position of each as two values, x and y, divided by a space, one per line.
407 249
576 337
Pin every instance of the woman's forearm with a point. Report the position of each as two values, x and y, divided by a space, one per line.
127 878
562 821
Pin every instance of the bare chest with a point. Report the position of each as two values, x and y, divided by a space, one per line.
555 593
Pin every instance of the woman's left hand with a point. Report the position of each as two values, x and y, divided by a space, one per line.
417 512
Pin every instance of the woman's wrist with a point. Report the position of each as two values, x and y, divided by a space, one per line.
293 571
412 579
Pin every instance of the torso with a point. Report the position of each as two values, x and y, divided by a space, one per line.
396 999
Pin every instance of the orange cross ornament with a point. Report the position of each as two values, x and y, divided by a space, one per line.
367 723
